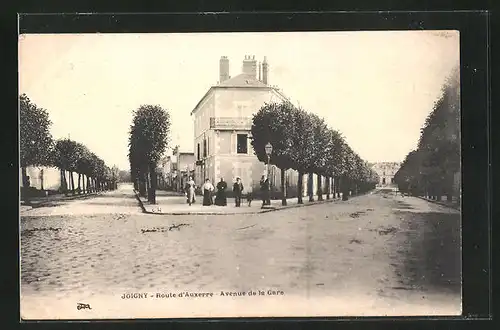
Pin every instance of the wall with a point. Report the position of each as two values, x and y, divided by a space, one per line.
51 177
203 114
242 102
185 162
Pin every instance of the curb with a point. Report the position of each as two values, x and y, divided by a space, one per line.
279 208
70 198
26 208
453 206
141 205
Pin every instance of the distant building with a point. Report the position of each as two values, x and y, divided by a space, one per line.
48 179
386 172
222 127
176 169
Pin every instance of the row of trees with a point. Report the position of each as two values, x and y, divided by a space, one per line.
302 141
148 140
431 169
37 148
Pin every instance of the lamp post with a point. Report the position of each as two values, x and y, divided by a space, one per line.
269 151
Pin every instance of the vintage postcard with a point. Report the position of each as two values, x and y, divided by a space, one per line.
199 175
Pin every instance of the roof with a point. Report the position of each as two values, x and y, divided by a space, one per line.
242 80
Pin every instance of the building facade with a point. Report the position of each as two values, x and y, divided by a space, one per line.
386 172
176 169
222 128
48 179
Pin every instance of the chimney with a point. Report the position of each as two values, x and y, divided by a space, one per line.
265 70
250 66
223 69
260 71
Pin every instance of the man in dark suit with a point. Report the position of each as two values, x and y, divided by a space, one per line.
237 190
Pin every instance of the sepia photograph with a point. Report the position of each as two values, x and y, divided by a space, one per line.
225 175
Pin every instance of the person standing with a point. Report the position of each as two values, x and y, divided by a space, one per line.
220 197
207 192
238 190
264 191
190 191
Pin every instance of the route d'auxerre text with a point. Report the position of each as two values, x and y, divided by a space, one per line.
187 294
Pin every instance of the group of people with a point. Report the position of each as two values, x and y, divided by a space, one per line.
220 195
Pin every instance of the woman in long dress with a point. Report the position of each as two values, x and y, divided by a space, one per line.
220 197
190 190
207 193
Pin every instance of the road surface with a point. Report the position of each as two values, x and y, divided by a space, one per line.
377 254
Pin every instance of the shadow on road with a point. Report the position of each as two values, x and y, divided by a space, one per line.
429 251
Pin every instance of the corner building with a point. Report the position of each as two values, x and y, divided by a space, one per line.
222 128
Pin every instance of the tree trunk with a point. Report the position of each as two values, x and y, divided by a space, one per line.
64 186
320 188
337 186
345 189
300 188
26 185
152 171
41 179
283 187
72 182
327 179
142 184
83 184
310 187
148 187
79 186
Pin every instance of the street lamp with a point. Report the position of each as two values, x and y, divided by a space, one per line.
269 151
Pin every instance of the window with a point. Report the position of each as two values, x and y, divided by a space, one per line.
204 148
208 146
198 152
242 144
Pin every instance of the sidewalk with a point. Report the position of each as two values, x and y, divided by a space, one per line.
43 201
119 201
453 204
176 205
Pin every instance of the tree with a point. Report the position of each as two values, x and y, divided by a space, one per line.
67 155
430 170
62 150
115 174
320 150
35 140
302 140
274 124
124 176
148 140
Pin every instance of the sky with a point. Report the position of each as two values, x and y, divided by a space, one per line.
376 88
